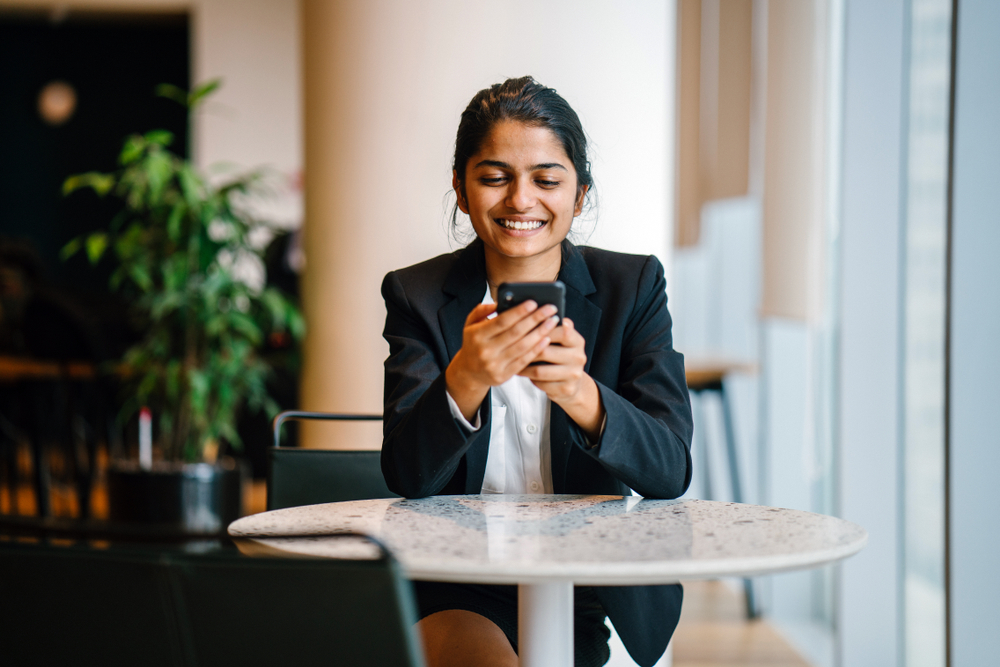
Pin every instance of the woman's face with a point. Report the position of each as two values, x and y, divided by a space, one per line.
520 193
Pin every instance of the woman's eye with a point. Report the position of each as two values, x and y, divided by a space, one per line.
492 180
547 184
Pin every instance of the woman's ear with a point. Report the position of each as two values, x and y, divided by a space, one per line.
459 192
580 195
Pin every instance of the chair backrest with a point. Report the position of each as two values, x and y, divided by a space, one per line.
71 605
298 476
273 611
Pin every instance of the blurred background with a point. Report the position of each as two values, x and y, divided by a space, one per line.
817 176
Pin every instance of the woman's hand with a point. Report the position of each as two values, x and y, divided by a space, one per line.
565 382
495 350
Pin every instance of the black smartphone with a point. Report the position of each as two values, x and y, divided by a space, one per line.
511 294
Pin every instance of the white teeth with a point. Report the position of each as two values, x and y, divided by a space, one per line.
517 224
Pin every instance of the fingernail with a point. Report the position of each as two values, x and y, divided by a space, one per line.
530 305
554 319
551 309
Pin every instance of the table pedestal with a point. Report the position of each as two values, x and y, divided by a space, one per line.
545 624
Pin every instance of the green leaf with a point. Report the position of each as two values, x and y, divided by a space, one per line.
191 186
173 376
159 137
146 385
96 245
100 183
174 272
296 324
70 249
201 385
158 171
133 149
246 326
174 222
215 326
275 304
164 304
202 91
116 278
172 92
140 275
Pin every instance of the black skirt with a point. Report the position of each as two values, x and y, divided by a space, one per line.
499 604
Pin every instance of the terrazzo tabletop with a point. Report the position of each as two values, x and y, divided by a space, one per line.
610 540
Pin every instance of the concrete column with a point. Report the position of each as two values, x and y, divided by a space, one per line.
795 156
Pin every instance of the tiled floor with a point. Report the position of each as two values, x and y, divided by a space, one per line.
714 632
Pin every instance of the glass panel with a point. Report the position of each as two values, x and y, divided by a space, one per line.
924 333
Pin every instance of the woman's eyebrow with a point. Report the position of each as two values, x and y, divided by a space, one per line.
503 165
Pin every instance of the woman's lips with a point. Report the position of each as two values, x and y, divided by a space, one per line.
520 225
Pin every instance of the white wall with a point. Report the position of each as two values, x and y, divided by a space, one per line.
255 118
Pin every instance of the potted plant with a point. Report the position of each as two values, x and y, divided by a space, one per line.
179 246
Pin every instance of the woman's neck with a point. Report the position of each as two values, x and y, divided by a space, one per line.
501 270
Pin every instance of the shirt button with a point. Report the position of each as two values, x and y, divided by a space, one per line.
534 486
532 428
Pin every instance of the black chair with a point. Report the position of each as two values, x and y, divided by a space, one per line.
132 606
297 476
72 606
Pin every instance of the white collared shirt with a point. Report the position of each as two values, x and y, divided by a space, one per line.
519 460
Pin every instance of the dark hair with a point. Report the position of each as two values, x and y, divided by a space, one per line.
526 101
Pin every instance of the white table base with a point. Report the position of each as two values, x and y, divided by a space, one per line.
545 624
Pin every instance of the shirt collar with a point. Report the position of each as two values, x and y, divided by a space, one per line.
469 270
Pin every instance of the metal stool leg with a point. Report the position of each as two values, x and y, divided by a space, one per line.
734 476
701 446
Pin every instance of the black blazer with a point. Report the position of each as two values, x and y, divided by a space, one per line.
618 304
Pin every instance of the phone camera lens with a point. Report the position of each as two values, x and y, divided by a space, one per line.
508 296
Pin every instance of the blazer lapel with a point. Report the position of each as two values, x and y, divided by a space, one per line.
586 317
466 282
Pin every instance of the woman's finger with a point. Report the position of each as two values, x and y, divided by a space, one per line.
522 327
529 344
519 364
512 316
480 313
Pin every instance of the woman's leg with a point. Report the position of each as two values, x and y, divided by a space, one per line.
460 638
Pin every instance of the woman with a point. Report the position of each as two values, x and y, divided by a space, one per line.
466 411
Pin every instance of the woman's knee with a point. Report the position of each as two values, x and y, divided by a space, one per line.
460 638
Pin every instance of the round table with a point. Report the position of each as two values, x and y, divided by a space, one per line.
548 543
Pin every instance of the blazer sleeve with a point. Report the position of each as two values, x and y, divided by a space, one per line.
423 444
647 437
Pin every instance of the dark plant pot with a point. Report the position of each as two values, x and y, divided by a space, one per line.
190 498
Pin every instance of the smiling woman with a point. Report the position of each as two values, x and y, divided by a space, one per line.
469 410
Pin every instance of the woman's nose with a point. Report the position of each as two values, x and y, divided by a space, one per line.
519 196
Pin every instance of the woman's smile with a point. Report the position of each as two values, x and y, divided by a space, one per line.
514 225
